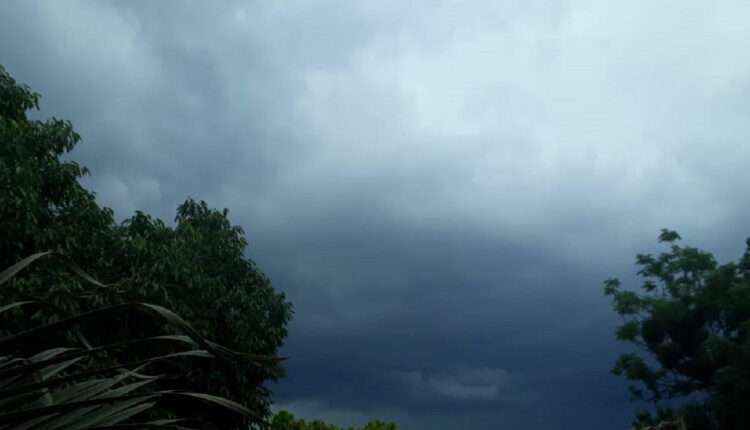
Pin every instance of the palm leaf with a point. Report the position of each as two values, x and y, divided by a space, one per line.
71 388
12 270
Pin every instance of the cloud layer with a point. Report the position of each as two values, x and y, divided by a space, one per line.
439 187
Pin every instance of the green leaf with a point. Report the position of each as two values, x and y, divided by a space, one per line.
80 272
15 305
627 331
668 236
12 270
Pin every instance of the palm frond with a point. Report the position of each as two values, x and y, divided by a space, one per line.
71 387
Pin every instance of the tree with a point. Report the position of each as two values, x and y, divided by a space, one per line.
285 420
693 321
198 268
42 205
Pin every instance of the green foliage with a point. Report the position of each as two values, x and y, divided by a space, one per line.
16 99
693 321
48 385
284 420
198 267
42 205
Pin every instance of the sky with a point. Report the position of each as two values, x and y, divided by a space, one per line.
439 187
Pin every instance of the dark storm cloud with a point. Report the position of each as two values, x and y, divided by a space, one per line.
439 188
427 323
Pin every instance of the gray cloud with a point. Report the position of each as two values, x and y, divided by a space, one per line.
439 187
463 383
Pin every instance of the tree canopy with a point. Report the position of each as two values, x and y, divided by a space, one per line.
285 420
197 268
692 320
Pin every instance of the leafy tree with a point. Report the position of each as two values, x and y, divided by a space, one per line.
42 205
379 425
693 321
284 420
198 268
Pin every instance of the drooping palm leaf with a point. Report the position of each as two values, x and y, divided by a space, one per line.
67 387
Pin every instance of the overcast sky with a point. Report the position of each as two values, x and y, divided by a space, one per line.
439 187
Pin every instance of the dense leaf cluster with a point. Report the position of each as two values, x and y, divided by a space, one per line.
693 321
